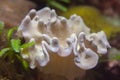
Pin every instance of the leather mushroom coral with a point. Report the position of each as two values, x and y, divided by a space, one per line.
58 35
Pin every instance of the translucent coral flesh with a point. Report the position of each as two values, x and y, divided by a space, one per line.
58 35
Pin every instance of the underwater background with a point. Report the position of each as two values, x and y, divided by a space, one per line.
97 15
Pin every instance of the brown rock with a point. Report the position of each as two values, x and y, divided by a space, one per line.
13 11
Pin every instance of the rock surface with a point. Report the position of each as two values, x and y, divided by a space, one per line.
13 11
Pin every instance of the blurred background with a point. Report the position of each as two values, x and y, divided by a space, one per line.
97 14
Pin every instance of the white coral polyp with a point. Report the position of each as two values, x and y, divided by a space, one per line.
56 34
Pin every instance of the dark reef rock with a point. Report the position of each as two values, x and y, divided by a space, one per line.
115 42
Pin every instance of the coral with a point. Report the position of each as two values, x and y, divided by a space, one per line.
69 38
93 19
12 11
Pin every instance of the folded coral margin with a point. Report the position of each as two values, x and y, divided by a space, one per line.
58 35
